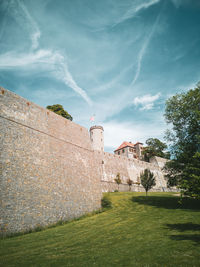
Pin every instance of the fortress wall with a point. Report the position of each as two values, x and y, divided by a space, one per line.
20 110
158 161
111 164
47 168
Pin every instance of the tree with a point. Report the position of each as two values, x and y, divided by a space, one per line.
155 148
118 180
58 109
147 180
183 113
129 182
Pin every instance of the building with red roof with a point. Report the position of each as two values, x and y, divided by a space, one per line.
130 150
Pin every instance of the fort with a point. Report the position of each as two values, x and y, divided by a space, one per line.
51 169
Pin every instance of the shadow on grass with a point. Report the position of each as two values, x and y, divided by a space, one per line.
185 227
168 202
194 238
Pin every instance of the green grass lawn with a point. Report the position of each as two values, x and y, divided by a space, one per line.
137 231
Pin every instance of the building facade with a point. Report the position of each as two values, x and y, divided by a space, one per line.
130 150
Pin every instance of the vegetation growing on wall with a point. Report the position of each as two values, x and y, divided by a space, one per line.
58 109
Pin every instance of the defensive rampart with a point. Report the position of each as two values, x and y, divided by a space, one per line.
47 169
111 164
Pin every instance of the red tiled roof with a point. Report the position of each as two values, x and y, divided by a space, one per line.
129 144
125 144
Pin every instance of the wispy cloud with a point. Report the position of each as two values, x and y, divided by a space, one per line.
134 9
35 39
5 7
143 49
46 59
114 81
25 20
177 3
146 102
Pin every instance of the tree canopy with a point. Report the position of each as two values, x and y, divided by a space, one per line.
155 148
183 113
58 109
147 179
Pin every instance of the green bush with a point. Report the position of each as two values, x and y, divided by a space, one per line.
106 202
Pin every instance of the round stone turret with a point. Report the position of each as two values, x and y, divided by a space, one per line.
97 138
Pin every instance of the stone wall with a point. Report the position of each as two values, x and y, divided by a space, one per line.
47 169
111 164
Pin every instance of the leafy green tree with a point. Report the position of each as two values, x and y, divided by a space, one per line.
58 109
118 180
129 182
147 179
155 148
183 113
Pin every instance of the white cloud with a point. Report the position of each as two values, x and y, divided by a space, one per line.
116 132
146 102
44 59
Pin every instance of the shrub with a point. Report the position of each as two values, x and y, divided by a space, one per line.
118 180
106 202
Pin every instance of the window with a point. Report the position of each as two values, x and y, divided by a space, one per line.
118 152
122 150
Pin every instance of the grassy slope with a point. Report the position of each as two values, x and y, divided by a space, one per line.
144 232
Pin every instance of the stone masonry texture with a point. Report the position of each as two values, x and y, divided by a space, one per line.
111 164
47 169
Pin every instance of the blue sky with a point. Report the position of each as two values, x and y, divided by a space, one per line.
119 60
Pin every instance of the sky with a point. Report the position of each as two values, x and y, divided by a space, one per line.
117 60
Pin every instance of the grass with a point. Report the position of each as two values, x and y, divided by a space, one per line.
137 231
